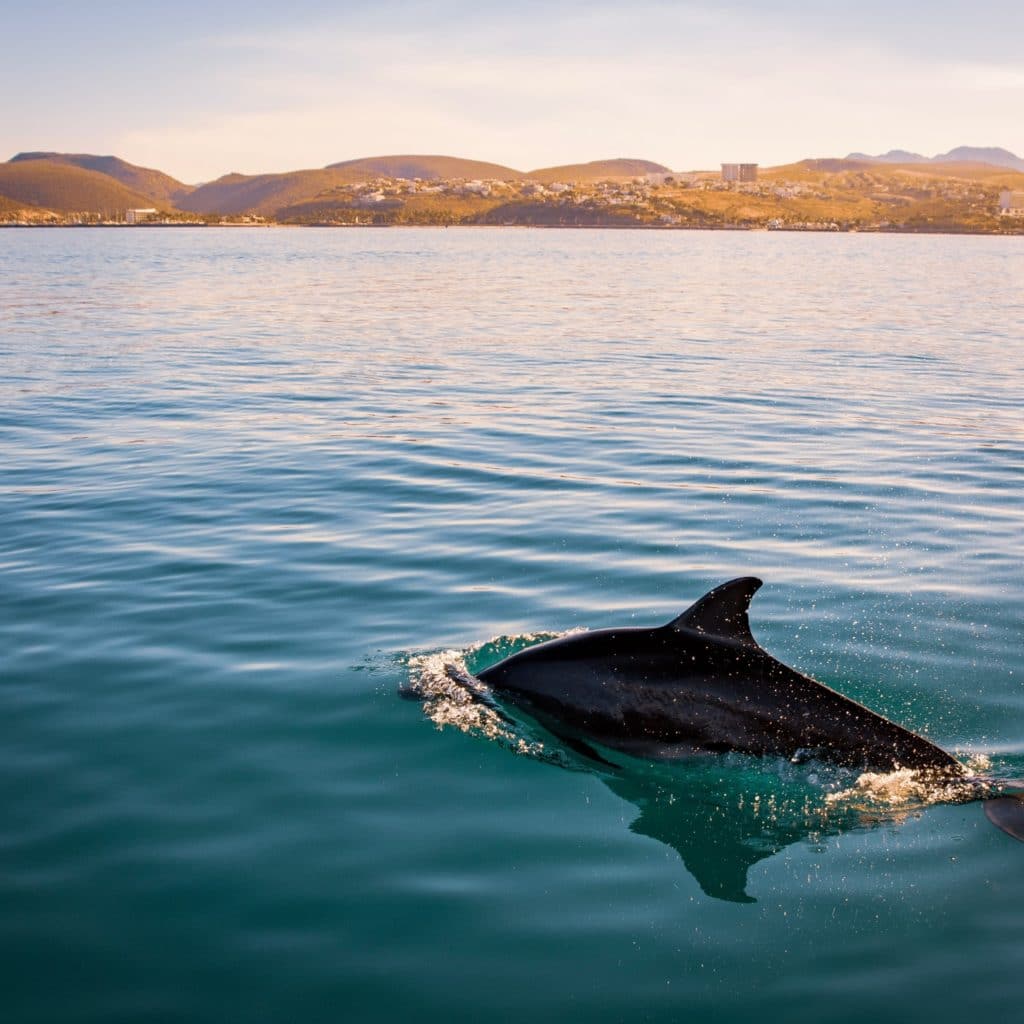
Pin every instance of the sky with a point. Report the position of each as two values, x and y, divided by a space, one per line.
200 89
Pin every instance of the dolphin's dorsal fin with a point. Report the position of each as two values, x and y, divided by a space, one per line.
722 612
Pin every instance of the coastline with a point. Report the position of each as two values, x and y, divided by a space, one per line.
1017 231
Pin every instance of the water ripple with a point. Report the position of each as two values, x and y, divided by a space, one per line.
245 476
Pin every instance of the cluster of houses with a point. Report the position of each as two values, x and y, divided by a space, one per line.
383 194
1011 204
649 198
380 191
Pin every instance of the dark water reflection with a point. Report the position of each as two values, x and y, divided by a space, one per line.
721 821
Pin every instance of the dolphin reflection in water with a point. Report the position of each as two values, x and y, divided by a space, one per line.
699 685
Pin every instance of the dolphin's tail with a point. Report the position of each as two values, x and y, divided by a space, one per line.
1007 813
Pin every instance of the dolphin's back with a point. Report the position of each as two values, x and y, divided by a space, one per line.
700 684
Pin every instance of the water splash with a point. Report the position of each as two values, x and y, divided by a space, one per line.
453 697
900 792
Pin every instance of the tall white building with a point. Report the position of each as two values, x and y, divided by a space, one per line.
138 216
739 172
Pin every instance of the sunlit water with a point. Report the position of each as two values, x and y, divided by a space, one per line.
256 484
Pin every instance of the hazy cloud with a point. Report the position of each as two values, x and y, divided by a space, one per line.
265 86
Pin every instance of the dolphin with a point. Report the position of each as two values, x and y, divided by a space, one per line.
701 684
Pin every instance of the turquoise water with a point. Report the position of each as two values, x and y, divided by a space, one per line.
256 483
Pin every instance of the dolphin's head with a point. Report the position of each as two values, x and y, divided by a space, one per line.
521 673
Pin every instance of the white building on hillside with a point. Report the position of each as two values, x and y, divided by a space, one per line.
739 172
1011 204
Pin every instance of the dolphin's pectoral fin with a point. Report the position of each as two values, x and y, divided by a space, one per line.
722 612
1007 813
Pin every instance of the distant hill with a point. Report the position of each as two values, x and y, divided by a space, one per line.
821 169
161 189
65 188
826 165
597 170
961 155
432 168
988 174
900 191
982 155
266 194
262 194
894 156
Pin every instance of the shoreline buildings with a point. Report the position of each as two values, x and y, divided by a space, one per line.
1011 204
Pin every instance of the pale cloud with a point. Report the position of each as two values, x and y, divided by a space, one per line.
283 140
688 86
988 78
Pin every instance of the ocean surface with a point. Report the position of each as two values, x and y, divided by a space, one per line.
258 485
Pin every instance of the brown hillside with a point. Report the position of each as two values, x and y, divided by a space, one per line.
989 174
262 194
820 170
11 209
431 168
267 194
65 188
29 215
597 170
161 189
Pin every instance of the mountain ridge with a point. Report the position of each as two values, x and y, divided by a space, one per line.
598 170
434 168
904 192
994 155
155 185
67 188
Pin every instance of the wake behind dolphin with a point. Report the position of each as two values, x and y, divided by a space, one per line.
701 684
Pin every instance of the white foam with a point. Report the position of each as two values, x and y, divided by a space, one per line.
453 697
905 789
